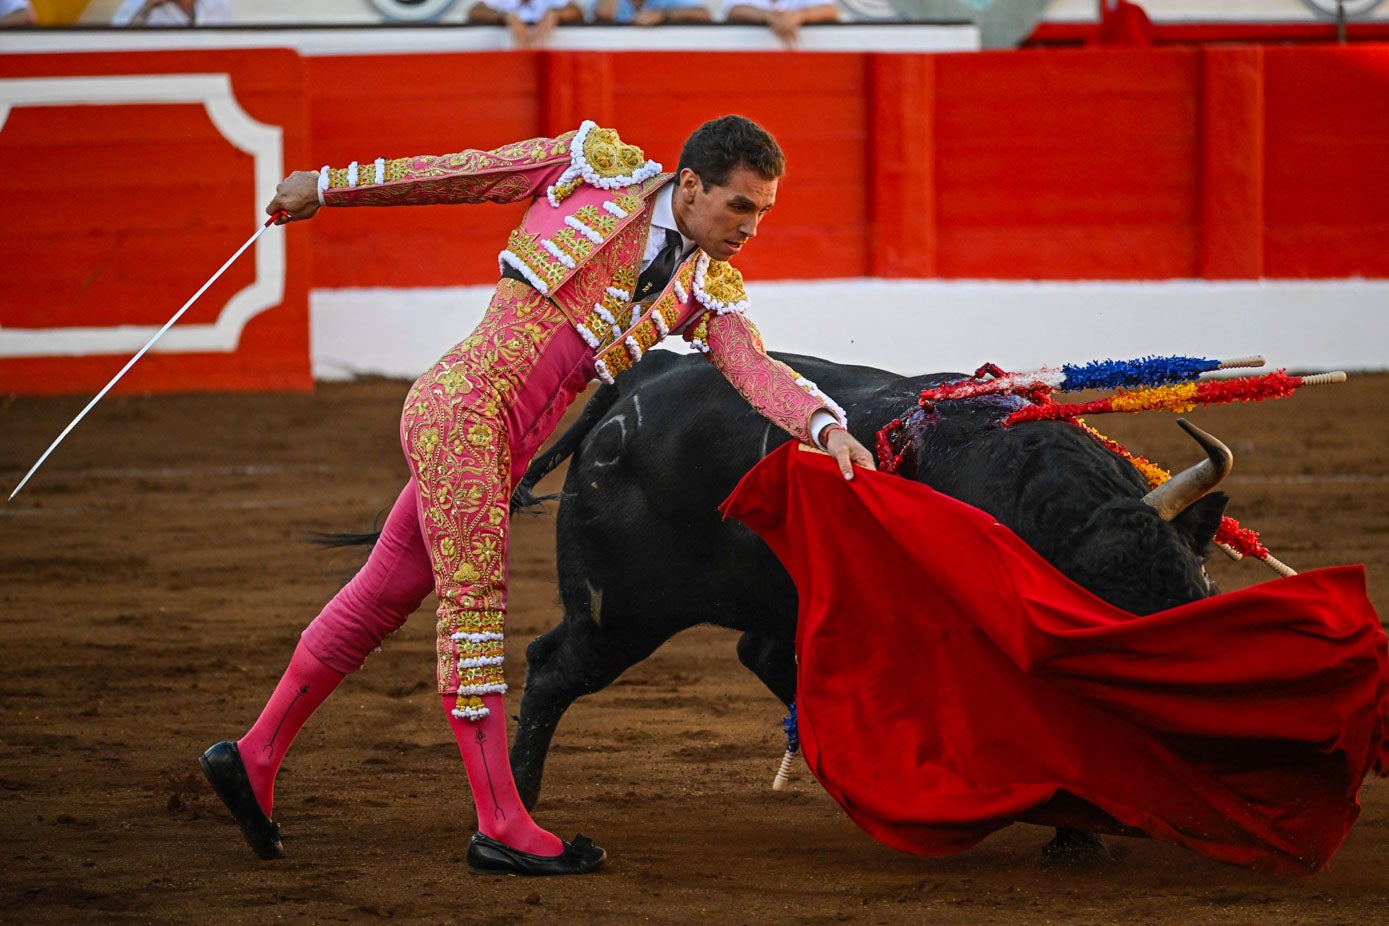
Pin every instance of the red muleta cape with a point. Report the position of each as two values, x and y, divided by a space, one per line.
951 682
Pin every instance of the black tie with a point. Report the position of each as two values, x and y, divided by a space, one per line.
658 273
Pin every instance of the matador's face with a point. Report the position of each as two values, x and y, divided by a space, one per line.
722 218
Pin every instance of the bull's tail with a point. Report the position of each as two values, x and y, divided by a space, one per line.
540 467
563 448
324 539
333 541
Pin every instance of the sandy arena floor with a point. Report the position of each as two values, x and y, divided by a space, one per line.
156 576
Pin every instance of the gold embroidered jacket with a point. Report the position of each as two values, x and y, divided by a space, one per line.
581 244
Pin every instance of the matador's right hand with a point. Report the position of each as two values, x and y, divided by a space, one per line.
297 195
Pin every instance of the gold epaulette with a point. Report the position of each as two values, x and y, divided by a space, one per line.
599 157
719 287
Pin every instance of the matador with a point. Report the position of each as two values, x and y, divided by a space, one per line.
612 256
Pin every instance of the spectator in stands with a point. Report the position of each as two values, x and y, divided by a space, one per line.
651 12
16 13
1124 23
784 17
530 21
173 13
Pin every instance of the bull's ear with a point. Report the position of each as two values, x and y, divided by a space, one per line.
1201 520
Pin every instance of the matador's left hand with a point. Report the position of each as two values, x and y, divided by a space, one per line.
847 451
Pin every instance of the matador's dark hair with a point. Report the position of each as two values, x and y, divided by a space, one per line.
720 145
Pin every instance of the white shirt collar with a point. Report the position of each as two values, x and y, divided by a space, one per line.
663 214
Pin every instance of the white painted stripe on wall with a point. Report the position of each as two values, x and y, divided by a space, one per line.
263 142
369 40
1225 11
915 326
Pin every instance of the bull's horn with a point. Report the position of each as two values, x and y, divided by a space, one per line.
1178 493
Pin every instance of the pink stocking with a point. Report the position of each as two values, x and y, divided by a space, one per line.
303 687
500 813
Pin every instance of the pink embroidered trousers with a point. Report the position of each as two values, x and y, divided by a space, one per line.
469 428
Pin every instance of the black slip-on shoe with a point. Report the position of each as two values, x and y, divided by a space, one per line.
227 774
489 856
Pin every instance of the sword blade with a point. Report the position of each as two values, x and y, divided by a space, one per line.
130 363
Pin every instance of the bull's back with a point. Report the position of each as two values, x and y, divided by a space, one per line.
643 490
682 437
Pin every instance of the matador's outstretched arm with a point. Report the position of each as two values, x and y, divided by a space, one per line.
512 173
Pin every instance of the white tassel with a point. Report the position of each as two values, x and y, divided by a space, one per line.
559 255
510 259
583 229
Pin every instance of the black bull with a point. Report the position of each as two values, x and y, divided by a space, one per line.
643 553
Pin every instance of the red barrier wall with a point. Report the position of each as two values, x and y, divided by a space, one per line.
119 212
1234 162
1326 188
1222 162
